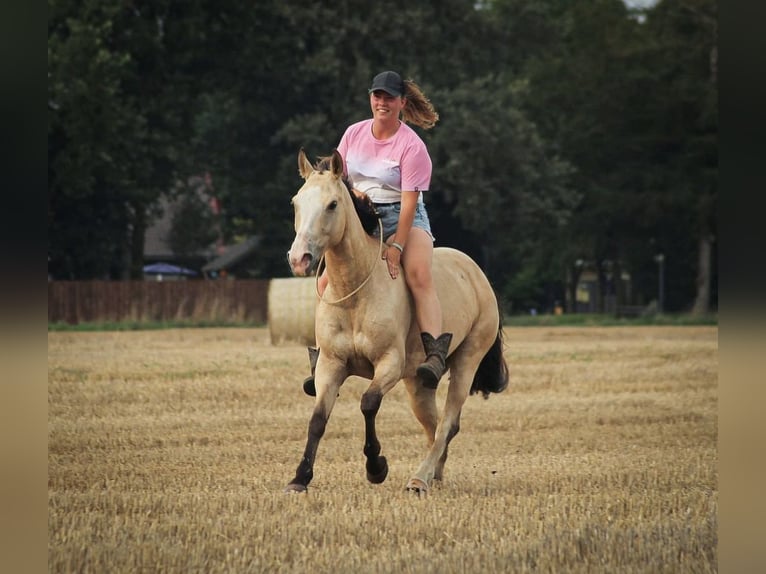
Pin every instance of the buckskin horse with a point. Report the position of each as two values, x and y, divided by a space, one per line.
365 325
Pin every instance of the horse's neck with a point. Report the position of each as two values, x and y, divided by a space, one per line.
350 261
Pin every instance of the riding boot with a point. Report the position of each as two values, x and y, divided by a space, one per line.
431 371
308 384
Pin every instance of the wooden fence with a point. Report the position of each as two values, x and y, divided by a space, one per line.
92 301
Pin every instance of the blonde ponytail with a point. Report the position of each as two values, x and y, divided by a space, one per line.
418 110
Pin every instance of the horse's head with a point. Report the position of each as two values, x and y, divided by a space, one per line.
320 214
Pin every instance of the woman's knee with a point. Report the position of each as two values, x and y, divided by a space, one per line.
418 277
417 260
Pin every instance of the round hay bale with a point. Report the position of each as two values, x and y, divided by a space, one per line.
291 308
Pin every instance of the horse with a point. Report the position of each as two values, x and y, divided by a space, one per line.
366 326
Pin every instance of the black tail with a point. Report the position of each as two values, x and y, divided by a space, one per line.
492 374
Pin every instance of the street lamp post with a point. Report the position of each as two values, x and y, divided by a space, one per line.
660 259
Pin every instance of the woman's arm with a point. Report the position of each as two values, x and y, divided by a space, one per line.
406 216
392 254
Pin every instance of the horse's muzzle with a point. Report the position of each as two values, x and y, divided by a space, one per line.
302 266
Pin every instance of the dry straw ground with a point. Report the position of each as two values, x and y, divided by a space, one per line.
168 451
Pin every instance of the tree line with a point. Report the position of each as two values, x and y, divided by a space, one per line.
573 135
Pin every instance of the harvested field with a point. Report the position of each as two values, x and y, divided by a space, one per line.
168 452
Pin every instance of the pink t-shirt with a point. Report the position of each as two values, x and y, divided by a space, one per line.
384 168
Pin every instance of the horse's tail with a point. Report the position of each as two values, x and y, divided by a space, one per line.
492 374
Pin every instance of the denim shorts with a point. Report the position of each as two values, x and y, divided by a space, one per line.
389 217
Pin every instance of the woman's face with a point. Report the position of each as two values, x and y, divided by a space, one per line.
385 107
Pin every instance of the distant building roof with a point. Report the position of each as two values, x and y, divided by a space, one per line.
233 255
156 238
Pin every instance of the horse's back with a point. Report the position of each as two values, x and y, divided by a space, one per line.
467 299
456 274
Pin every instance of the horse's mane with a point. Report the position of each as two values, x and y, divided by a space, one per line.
364 208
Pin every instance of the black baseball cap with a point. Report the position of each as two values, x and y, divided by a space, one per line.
390 82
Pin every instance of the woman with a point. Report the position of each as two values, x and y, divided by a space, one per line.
385 159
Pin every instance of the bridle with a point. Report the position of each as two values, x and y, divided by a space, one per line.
355 291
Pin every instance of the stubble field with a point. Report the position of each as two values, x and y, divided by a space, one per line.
168 452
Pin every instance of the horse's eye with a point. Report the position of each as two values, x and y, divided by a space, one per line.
332 206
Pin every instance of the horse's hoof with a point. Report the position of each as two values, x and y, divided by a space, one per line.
380 476
417 486
293 488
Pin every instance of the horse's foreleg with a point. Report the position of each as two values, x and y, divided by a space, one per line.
305 471
317 425
377 467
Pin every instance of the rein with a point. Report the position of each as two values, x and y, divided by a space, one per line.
355 291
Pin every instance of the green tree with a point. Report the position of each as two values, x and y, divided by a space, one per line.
297 79
686 108
194 226
505 184
118 94
607 91
569 130
86 218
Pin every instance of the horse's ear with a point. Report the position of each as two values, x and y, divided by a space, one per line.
304 165
337 164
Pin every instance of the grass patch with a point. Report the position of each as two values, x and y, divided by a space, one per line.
149 325
604 320
168 451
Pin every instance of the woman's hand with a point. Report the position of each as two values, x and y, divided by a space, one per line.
393 257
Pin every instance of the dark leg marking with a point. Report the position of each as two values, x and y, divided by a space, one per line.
377 466
305 471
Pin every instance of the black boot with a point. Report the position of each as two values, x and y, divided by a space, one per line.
431 371
308 384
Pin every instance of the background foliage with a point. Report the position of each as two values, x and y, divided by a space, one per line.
582 131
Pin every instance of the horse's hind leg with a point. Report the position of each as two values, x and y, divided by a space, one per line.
432 466
439 470
423 404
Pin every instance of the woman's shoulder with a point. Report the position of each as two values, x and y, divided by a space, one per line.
410 137
407 132
358 127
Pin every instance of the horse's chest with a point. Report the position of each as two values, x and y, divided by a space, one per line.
356 327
